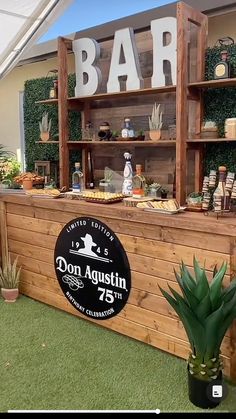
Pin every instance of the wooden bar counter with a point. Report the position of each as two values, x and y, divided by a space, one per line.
155 244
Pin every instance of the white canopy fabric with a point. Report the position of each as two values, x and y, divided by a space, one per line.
22 22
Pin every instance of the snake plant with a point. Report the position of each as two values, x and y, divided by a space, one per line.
206 310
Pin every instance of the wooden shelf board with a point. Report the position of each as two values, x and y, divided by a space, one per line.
147 143
124 94
47 142
206 84
210 140
48 102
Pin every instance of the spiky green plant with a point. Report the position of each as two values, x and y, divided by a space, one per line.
45 124
206 310
155 120
9 274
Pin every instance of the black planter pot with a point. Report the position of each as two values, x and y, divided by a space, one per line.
200 392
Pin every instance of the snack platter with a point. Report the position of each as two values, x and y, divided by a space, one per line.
169 206
44 193
163 211
102 197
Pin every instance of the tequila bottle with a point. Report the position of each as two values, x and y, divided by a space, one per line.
139 183
127 187
221 196
77 179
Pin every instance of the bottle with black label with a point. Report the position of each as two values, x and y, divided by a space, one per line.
90 176
221 196
77 179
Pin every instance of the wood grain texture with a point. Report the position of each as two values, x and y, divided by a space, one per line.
154 247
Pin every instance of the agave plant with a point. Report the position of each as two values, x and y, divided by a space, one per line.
206 310
9 274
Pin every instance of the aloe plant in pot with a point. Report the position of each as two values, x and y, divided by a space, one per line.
206 310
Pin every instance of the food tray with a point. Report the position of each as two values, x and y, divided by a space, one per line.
103 201
163 211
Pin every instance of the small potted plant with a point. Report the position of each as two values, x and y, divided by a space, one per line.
105 184
209 129
45 127
206 310
140 135
154 188
164 193
9 280
155 122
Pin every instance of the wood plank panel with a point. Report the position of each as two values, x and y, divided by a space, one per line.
164 324
3 234
36 225
196 239
156 267
34 265
156 319
153 337
172 252
30 251
38 280
23 209
28 237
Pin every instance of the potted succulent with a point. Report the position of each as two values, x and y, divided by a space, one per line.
206 311
154 188
164 193
45 127
140 135
9 280
155 122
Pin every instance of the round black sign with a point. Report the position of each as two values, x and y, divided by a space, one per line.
92 268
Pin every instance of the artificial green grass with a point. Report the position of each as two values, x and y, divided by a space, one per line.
51 360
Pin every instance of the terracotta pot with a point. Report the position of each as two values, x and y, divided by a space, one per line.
44 136
27 184
155 134
10 295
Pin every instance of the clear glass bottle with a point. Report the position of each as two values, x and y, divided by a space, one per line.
127 130
139 183
77 179
221 196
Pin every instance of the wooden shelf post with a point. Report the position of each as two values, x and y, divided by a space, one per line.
63 118
185 16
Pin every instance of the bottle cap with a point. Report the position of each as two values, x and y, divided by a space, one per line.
222 169
77 164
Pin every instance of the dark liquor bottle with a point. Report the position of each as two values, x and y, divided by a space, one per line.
90 179
221 196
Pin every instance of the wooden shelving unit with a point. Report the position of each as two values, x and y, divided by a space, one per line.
213 84
184 91
211 140
145 143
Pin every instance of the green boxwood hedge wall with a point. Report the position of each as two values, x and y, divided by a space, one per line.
220 104
38 89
